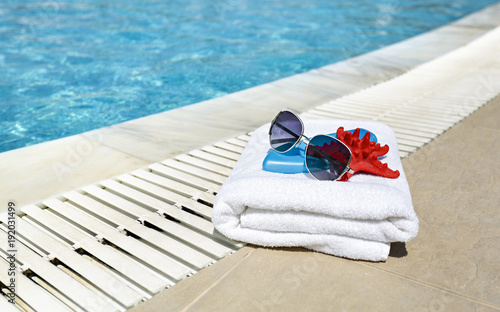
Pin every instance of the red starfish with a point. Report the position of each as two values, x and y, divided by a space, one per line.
365 154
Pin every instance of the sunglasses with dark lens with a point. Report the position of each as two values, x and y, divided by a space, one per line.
326 157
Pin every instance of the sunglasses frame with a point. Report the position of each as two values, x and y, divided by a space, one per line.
347 167
302 137
299 138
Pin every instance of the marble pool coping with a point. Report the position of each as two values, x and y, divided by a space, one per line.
36 172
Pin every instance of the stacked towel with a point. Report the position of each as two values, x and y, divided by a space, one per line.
357 219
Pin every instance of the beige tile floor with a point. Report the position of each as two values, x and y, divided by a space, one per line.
37 172
452 265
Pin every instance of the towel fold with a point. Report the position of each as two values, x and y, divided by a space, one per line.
357 219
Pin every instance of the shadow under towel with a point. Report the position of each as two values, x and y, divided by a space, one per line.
357 219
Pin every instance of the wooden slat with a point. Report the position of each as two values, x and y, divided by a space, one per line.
223 170
160 206
20 304
427 114
34 295
104 281
68 286
221 152
237 141
175 186
64 300
419 140
337 115
406 148
185 177
344 104
194 170
160 261
414 126
208 244
412 132
311 115
166 243
427 123
213 158
118 261
411 143
230 147
6 306
356 113
173 197
245 137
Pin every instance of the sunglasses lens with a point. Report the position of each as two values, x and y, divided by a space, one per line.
326 157
285 131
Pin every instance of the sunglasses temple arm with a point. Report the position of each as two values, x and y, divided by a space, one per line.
288 130
330 158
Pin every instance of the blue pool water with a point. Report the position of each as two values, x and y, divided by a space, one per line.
69 66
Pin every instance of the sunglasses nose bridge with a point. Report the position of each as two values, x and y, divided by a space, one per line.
300 139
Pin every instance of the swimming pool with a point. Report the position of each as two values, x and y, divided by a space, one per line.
71 66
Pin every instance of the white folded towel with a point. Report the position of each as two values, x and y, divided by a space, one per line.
357 219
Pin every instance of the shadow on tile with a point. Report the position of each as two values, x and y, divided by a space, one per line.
398 250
